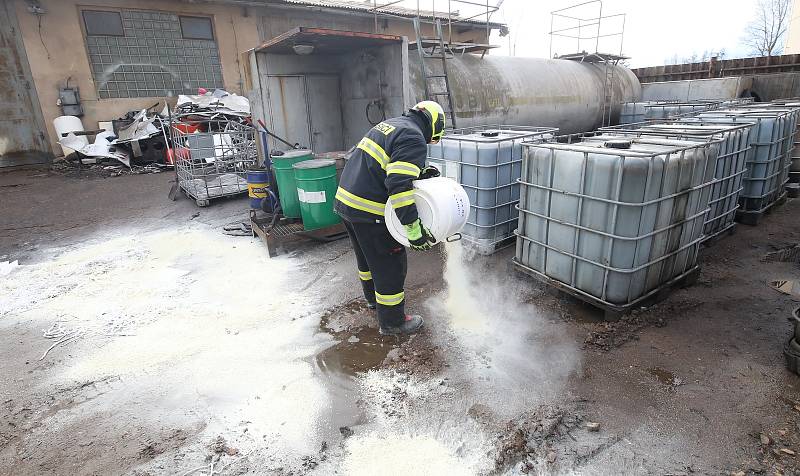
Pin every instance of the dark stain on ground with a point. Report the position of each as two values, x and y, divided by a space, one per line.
664 376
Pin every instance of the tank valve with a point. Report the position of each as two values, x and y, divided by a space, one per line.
618 144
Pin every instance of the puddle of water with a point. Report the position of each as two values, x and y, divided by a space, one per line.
359 352
664 376
354 349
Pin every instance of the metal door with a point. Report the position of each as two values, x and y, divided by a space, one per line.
288 110
22 139
325 112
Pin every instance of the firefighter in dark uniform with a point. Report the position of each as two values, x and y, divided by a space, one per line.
381 168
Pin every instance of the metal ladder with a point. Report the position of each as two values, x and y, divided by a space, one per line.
608 93
434 82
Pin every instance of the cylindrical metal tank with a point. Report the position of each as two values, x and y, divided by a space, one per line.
564 94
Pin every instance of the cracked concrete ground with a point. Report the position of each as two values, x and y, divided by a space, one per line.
190 350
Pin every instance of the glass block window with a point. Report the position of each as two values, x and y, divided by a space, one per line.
103 23
197 28
153 57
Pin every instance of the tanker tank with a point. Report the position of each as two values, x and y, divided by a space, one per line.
565 94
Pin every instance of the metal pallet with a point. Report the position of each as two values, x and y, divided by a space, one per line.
277 232
614 312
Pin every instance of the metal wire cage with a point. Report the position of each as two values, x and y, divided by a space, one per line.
212 157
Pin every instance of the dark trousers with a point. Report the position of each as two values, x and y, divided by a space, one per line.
382 266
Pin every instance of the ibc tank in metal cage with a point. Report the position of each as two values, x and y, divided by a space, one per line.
635 112
794 168
732 142
613 221
769 160
486 161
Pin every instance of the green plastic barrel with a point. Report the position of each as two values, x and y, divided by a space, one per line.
316 189
284 177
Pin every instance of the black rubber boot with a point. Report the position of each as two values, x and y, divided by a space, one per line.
371 305
410 325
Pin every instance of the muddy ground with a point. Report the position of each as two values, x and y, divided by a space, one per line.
181 350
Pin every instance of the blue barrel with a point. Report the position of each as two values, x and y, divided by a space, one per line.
257 185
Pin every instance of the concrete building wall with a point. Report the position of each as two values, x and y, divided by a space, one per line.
793 34
692 89
762 87
61 52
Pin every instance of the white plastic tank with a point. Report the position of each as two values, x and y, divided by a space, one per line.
487 162
65 124
612 221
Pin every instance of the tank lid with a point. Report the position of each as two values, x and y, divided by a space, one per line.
618 144
291 154
314 164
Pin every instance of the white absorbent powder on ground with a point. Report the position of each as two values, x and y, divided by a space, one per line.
416 427
401 455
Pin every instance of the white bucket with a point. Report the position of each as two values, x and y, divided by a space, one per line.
63 124
443 208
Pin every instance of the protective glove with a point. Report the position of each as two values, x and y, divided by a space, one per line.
419 238
429 172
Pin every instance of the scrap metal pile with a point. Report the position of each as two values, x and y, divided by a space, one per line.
141 138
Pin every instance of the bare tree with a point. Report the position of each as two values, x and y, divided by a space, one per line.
765 34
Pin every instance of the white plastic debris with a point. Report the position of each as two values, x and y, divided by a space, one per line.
6 267
140 128
103 146
218 101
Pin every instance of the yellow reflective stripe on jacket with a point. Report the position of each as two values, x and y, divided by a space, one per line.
405 168
365 275
402 199
390 299
372 148
354 201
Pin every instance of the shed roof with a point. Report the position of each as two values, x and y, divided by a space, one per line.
386 7
325 40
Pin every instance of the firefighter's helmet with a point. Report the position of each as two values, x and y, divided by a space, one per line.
434 112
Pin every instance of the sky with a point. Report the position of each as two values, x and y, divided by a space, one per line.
655 30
